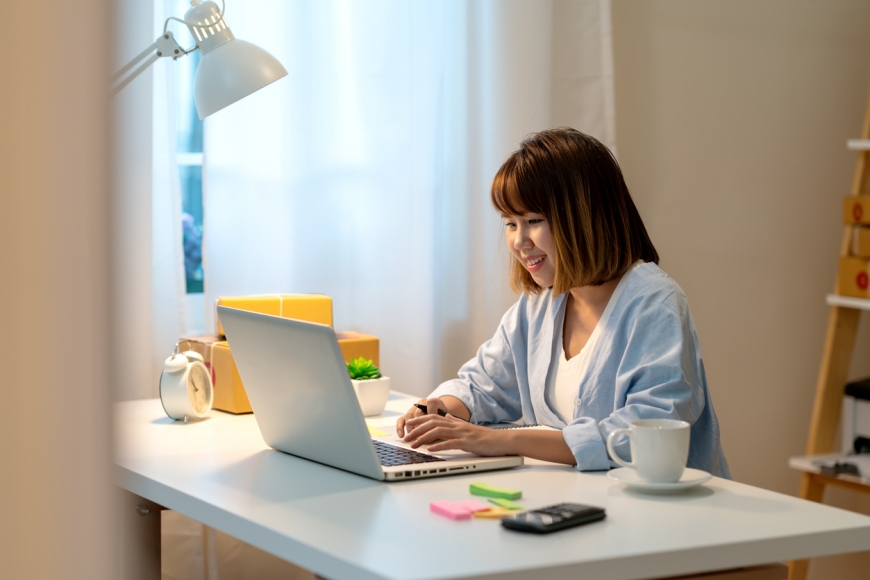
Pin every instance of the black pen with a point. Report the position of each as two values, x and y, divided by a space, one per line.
425 409
441 412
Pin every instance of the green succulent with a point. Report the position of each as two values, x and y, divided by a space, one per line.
363 369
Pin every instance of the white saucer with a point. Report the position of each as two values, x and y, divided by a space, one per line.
629 477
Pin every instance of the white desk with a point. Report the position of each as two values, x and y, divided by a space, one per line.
343 526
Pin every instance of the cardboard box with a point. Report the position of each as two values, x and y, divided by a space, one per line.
355 345
229 392
853 277
856 209
861 242
307 307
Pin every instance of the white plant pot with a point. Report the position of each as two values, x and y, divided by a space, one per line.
372 395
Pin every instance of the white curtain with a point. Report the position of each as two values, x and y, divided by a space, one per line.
365 174
168 315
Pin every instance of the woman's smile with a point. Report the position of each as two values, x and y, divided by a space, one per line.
527 234
535 263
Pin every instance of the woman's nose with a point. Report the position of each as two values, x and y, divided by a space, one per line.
521 239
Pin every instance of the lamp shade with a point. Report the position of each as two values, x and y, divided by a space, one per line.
230 72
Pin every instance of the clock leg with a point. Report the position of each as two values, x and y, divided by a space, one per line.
139 538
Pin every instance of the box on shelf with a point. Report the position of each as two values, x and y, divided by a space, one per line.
856 209
308 307
229 392
861 242
853 278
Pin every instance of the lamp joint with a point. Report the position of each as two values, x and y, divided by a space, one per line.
168 46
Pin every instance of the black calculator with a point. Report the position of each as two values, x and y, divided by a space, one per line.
553 518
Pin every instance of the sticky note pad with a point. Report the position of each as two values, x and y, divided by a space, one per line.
505 503
376 432
493 513
450 510
493 491
472 505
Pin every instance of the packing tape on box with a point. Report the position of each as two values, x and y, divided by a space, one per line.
280 298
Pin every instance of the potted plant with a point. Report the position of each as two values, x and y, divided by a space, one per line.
371 388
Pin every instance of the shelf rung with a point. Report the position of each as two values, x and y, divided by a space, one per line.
858 144
812 464
848 301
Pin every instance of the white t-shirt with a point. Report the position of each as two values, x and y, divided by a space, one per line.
563 380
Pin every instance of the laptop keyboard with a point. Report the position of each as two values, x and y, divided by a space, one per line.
394 455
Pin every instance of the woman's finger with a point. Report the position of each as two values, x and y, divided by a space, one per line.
417 426
400 426
434 434
402 421
432 405
423 419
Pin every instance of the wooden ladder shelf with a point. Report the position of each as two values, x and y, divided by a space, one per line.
842 328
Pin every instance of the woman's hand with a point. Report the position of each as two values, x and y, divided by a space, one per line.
433 406
453 433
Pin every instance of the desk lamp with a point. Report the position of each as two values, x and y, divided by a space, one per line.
229 70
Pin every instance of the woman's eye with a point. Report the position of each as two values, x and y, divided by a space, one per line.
510 225
536 220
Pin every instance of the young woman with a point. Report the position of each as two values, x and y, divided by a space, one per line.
600 336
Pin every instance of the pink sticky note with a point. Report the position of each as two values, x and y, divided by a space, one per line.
450 510
472 505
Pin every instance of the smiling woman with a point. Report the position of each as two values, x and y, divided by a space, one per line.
600 336
595 234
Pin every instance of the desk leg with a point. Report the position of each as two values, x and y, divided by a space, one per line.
139 538
813 489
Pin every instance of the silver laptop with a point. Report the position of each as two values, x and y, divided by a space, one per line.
300 391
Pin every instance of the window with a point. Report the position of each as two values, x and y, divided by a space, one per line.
189 156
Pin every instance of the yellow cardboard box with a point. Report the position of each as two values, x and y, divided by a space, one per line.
229 392
861 242
307 307
856 209
853 278
355 345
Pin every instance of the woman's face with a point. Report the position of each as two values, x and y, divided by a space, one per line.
529 239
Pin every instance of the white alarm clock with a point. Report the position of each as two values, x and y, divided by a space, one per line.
185 386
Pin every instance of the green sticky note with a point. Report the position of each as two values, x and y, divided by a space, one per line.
493 491
505 503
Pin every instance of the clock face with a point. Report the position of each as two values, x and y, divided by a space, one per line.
199 389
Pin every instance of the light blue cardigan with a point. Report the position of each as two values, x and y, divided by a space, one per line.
647 365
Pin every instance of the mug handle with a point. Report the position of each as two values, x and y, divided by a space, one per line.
612 452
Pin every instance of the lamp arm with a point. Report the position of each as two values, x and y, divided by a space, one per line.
183 51
134 62
117 88
164 46
166 24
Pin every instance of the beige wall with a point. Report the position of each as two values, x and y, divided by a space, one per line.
732 119
55 514
131 176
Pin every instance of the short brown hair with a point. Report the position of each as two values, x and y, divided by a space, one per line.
576 184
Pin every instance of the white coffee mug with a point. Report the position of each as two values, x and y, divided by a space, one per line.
659 449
